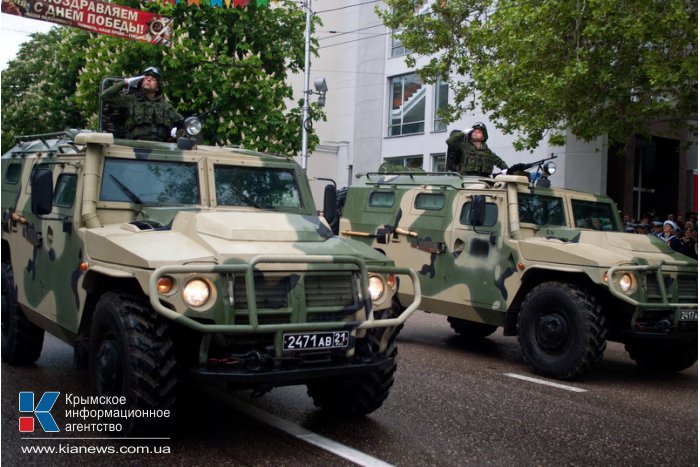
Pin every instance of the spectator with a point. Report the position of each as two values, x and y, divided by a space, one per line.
643 229
690 244
669 236
688 226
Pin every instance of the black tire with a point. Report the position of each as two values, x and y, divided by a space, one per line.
561 330
664 357
470 330
354 396
22 340
132 355
359 395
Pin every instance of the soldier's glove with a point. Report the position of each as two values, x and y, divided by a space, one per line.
515 168
133 82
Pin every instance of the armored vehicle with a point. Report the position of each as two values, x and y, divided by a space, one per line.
159 263
547 264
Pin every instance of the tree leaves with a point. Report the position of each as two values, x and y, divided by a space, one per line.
233 59
540 68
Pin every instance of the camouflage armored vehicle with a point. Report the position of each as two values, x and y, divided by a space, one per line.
159 263
549 265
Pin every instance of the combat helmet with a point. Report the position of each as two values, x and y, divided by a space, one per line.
155 72
480 126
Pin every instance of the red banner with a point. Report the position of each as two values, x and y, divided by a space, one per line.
96 16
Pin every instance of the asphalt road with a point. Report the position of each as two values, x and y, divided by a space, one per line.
452 405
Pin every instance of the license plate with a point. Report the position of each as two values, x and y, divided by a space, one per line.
689 315
316 340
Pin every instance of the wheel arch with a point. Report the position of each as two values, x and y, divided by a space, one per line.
96 284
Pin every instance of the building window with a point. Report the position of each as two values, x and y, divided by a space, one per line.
397 48
438 162
407 114
412 162
441 93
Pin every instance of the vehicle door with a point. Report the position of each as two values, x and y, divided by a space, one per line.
45 249
481 263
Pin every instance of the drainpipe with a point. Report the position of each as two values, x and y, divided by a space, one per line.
513 214
91 174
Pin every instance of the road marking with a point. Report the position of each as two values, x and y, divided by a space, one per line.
545 382
334 447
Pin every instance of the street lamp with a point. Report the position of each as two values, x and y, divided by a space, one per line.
321 90
319 85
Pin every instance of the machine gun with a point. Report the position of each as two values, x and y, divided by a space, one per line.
541 176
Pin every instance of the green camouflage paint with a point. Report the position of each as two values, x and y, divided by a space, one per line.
531 235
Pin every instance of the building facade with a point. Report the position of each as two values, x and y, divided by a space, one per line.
379 110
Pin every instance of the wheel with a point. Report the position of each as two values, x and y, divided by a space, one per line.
356 395
132 355
471 330
22 340
664 358
561 330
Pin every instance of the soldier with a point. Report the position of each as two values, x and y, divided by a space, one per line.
149 116
468 154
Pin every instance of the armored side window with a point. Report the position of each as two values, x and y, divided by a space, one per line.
430 201
490 218
382 199
64 194
540 209
14 172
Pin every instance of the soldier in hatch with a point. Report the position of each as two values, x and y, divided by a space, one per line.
468 154
149 116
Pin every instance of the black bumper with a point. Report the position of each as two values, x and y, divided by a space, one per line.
684 334
286 377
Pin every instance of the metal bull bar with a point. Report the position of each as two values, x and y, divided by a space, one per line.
248 270
664 299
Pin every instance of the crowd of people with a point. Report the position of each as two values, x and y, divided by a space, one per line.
680 234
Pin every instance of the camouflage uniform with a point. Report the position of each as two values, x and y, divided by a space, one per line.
149 118
467 159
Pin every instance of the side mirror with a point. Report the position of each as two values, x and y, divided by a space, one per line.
477 210
42 192
330 204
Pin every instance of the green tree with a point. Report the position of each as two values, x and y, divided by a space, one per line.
38 86
232 59
540 67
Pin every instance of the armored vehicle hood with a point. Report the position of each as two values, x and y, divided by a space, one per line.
218 236
593 248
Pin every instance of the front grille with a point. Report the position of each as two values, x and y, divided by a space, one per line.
304 297
684 289
330 291
688 289
270 292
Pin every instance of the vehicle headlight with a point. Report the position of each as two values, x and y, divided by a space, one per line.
193 126
196 293
376 287
550 168
626 282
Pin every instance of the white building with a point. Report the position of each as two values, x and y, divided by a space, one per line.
378 109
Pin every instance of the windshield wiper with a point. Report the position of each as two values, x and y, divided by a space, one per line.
132 196
247 199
